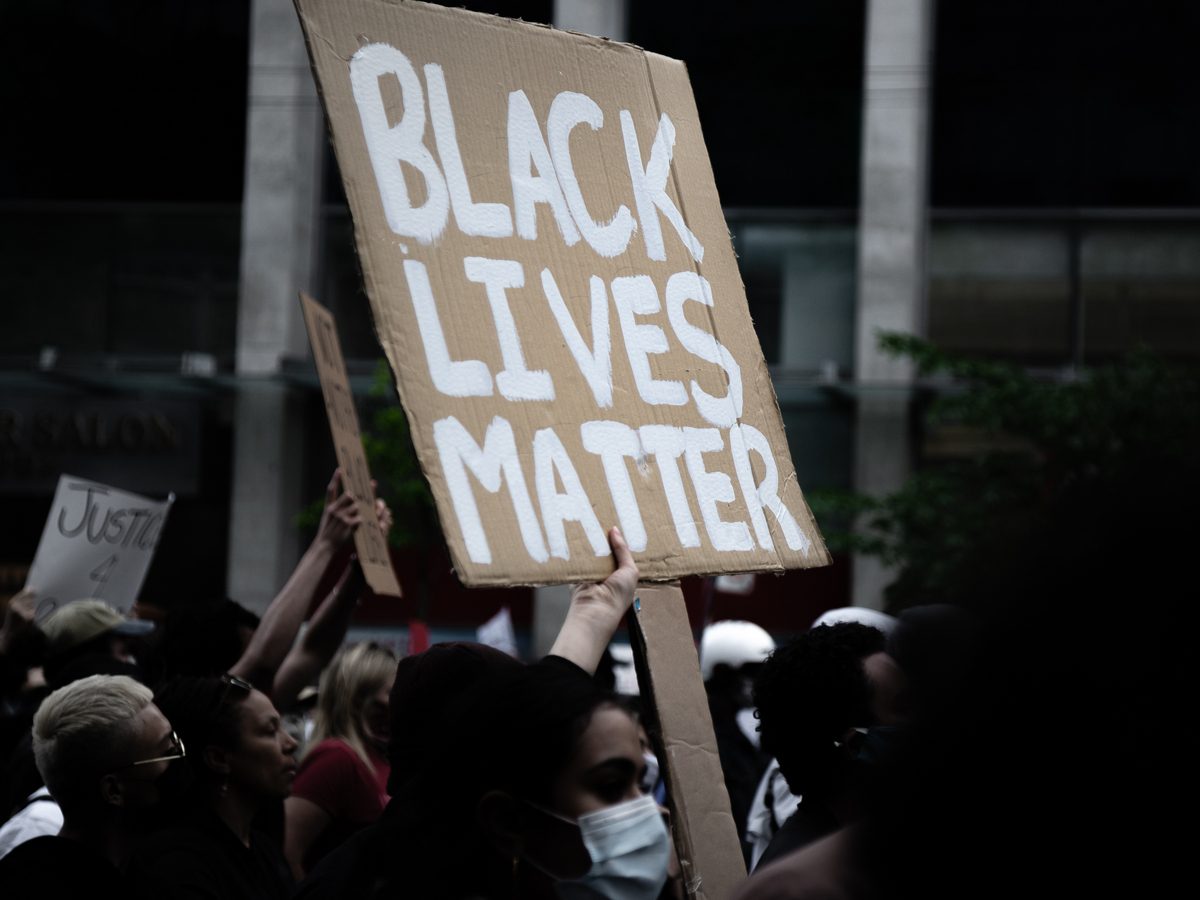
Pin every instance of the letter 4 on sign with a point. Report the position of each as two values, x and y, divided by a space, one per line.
552 281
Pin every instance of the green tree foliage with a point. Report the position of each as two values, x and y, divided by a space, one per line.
1045 441
394 465
393 461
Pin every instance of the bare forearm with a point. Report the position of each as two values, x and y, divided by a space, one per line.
585 634
325 633
276 633
329 624
596 610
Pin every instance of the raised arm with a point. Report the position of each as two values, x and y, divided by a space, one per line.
326 629
596 610
276 633
325 633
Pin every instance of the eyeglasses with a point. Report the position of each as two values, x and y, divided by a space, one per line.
232 683
851 738
178 751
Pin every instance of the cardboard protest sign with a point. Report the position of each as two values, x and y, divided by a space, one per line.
98 542
706 837
555 288
369 540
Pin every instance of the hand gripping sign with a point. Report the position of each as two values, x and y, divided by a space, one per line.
369 540
554 286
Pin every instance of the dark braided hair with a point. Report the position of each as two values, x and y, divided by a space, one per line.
203 712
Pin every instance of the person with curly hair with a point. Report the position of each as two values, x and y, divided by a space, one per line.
822 700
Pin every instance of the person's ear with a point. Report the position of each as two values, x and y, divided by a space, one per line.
112 791
502 819
217 759
851 742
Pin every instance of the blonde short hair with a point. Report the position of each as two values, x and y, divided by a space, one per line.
80 733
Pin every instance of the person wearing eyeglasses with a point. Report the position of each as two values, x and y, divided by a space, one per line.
241 761
103 748
832 707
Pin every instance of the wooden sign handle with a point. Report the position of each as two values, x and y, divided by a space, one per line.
680 727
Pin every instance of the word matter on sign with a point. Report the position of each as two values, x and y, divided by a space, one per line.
553 283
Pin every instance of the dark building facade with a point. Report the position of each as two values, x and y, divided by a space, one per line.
1011 179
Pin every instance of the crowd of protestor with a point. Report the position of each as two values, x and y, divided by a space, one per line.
1023 742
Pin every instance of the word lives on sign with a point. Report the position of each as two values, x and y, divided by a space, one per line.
554 286
98 542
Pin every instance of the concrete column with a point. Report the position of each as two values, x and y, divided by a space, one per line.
268 468
605 18
280 226
891 248
882 462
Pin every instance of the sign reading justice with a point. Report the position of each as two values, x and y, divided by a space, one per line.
554 286
98 542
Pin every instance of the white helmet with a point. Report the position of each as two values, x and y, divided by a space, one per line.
734 643
860 614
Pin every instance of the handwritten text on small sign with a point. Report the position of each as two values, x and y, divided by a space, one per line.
98 541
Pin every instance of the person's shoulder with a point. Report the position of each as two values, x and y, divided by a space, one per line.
820 871
329 756
330 750
41 817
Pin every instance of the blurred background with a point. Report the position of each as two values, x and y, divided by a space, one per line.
1013 183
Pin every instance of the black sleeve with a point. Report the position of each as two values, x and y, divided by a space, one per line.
560 664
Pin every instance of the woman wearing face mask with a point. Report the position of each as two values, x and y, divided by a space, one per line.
342 783
537 795
466 722
241 760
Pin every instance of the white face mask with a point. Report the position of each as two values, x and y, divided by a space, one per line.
630 849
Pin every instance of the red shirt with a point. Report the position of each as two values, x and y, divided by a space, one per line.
336 779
